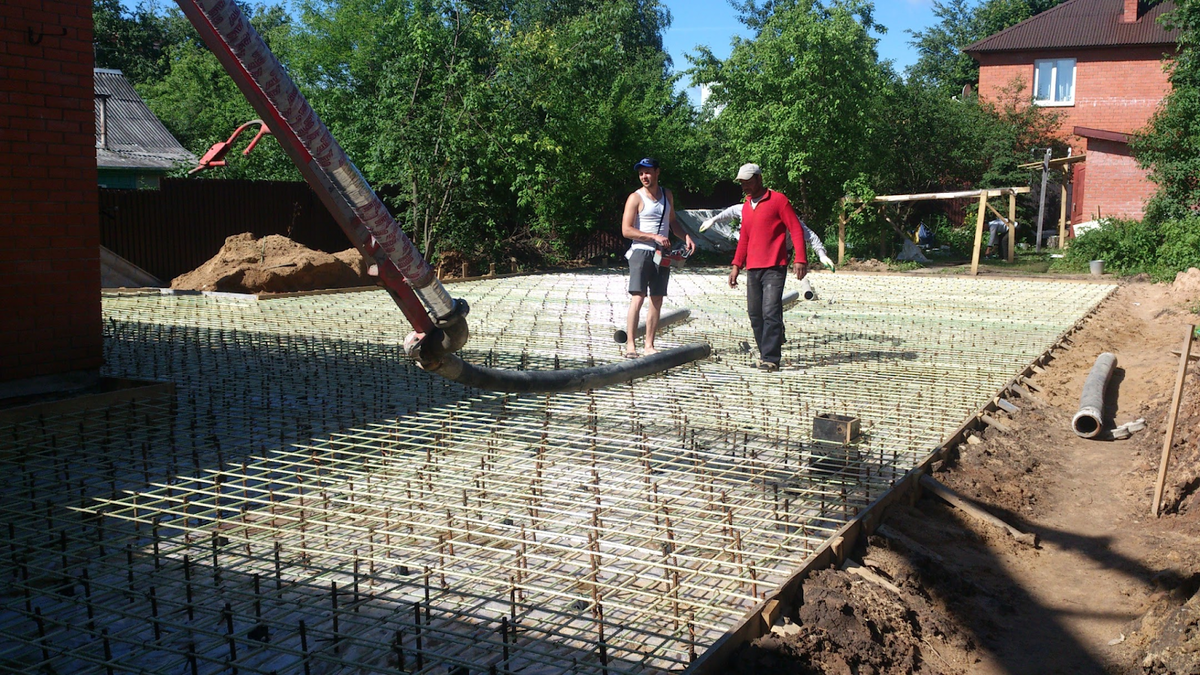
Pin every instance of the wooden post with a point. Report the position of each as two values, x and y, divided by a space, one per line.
1062 217
979 232
1012 225
842 236
1166 451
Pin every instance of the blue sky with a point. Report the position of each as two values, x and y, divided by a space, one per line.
713 23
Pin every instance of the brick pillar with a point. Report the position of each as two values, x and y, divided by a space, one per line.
50 322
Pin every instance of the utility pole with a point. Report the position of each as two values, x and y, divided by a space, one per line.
1042 198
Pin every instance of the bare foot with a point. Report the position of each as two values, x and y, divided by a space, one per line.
650 350
630 351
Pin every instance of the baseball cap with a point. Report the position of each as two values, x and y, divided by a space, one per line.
647 162
747 171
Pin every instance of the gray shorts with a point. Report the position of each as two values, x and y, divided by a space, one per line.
646 278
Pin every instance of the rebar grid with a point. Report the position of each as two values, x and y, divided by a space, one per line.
311 503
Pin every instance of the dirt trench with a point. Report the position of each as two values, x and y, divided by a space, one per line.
1109 589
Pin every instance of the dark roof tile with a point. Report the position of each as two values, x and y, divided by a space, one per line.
134 137
1082 23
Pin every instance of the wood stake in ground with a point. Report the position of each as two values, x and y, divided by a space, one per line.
1184 352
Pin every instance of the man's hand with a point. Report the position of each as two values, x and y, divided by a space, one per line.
664 242
733 275
707 224
801 269
691 245
827 262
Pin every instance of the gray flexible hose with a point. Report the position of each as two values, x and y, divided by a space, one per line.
577 379
1089 421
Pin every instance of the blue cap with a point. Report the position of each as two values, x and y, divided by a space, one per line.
647 162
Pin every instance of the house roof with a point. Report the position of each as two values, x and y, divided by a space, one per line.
1083 23
133 137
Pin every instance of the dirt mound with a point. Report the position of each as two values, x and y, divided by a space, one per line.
849 625
1186 287
274 264
871 265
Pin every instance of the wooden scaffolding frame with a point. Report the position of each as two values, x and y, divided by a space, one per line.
984 206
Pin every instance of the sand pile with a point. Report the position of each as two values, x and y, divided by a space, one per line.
1186 287
274 264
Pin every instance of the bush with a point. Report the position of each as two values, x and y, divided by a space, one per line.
1132 247
1180 247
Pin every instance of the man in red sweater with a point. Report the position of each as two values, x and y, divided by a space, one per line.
766 217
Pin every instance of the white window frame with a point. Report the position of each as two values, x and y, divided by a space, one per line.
1054 82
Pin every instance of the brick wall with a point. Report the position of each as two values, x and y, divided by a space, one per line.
1116 186
49 222
1115 90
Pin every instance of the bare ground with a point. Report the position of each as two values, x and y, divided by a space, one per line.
1110 589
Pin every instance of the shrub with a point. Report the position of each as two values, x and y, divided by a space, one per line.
1180 248
1126 247
1131 247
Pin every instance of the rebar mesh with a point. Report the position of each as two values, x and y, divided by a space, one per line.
309 502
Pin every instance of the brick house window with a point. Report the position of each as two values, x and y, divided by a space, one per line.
1054 82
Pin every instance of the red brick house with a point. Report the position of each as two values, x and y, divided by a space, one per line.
1100 64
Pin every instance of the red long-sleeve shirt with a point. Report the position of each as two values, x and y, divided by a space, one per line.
761 242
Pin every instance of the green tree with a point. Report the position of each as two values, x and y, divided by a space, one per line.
941 61
493 125
200 104
802 99
1170 146
134 41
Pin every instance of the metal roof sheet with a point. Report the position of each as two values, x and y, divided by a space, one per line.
1083 23
134 137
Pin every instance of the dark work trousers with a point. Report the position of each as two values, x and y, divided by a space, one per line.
764 300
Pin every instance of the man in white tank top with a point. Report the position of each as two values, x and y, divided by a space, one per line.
648 220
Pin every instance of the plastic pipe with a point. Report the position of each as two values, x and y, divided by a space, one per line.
1089 421
807 290
665 319
577 379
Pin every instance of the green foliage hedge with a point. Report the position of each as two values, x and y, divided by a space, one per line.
1131 247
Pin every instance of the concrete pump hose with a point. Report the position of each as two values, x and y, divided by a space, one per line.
665 319
1089 421
578 379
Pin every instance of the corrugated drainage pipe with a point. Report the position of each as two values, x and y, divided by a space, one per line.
1089 421
578 379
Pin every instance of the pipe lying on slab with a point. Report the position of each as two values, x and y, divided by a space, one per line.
807 290
665 319
1089 421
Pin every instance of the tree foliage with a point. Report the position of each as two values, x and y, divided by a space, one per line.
808 100
495 128
941 61
1170 147
802 98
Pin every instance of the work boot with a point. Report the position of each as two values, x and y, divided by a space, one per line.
768 366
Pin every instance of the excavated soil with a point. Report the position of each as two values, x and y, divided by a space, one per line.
274 264
1108 589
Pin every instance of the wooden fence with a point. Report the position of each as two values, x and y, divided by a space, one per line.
178 227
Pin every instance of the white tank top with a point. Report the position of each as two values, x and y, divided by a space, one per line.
652 219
